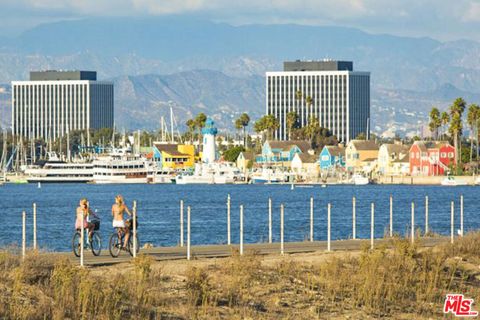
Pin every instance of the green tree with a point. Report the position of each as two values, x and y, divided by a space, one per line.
445 119
242 123
435 122
267 123
312 128
473 120
232 154
456 126
200 120
361 136
191 128
292 122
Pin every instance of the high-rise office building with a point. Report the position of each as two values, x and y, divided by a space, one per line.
54 102
328 90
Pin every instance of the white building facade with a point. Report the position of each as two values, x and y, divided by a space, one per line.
328 90
54 102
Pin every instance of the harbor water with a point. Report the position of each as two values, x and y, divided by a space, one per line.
159 211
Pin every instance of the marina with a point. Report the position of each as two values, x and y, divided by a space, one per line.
159 211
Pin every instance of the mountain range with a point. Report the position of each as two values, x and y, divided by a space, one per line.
219 69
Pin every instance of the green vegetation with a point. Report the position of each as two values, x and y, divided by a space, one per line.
402 282
232 154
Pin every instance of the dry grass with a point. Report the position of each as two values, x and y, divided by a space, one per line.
401 282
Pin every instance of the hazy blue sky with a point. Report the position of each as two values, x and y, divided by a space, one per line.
440 19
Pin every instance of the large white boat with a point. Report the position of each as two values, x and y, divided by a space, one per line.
60 172
211 173
477 181
452 182
267 175
121 168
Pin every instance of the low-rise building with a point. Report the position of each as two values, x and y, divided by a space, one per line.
393 159
174 156
361 156
281 153
245 160
431 158
332 158
305 166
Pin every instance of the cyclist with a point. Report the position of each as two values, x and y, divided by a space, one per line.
118 209
83 214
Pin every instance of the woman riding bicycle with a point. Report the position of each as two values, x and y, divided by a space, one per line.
83 214
118 209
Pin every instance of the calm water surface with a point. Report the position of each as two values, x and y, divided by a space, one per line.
158 210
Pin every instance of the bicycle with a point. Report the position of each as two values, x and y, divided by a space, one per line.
94 242
116 242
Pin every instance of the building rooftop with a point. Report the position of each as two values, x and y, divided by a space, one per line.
318 65
364 144
54 75
304 146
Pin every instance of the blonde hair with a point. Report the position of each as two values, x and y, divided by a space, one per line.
83 201
119 199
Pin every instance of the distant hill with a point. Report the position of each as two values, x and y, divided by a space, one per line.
220 67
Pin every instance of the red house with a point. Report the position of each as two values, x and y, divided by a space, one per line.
431 158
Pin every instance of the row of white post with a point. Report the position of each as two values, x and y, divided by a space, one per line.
311 234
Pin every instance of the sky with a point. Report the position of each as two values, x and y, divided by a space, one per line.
439 19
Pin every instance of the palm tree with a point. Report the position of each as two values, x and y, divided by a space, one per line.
243 121
445 119
456 126
267 123
473 120
291 121
238 125
200 120
312 128
191 128
435 122
298 98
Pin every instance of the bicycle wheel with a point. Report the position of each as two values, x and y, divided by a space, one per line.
130 245
76 239
114 245
96 244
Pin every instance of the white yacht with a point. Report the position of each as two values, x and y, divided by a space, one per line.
121 168
359 180
267 175
452 182
211 173
56 171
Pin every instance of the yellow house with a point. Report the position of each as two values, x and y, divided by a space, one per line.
245 160
174 156
361 155
393 159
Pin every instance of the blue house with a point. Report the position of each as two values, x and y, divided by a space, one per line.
278 152
332 157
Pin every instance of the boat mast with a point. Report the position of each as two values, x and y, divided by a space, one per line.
171 123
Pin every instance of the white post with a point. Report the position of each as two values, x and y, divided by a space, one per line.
426 215
34 226
372 228
241 230
461 215
82 240
329 227
134 228
228 221
24 234
282 249
269 220
354 218
311 219
451 221
181 223
413 223
188 233
391 216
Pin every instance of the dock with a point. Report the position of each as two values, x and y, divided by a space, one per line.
222 251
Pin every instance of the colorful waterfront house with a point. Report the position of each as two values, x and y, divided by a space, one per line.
281 153
332 157
393 159
174 156
431 158
361 156
305 166
245 160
